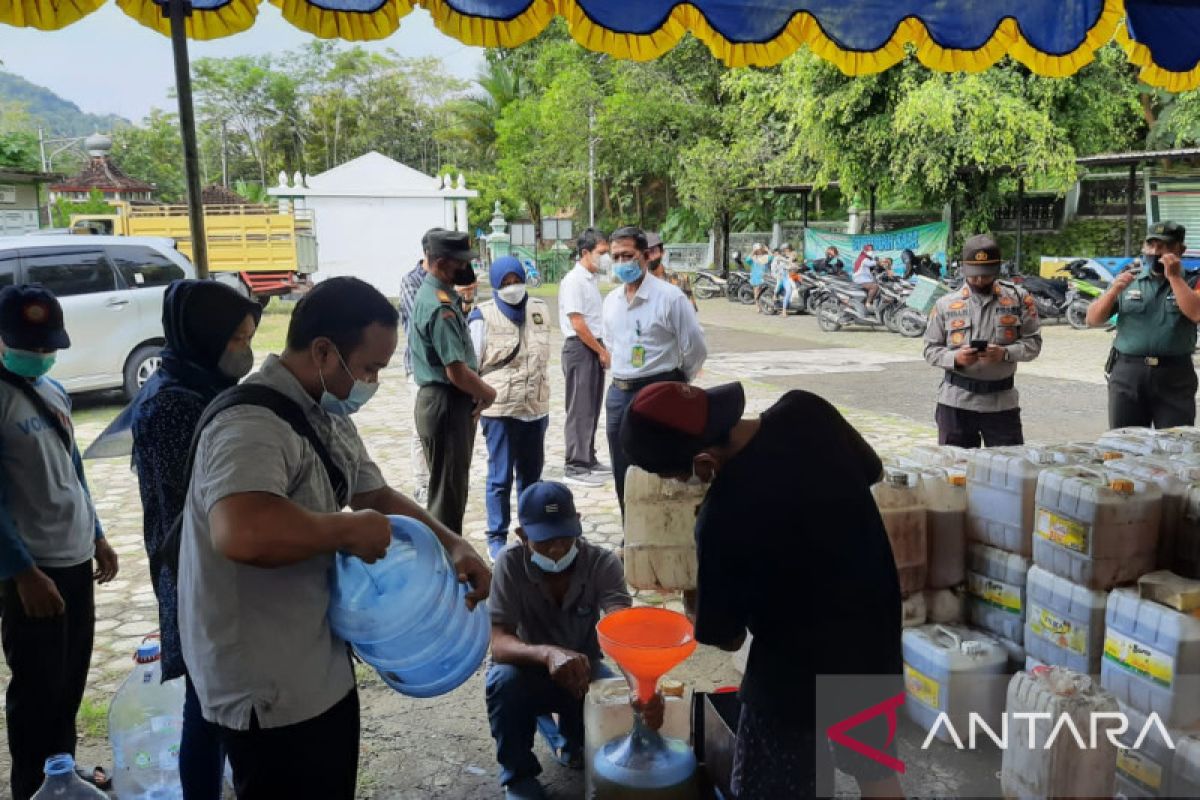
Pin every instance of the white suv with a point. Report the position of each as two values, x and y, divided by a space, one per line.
111 290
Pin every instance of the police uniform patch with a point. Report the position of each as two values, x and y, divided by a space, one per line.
1010 334
537 318
957 338
1007 302
981 257
957 304
958 323
1009 319
443 296
35 313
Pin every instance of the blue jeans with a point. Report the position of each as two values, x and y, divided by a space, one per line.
787 288
513 447
520 699
201 759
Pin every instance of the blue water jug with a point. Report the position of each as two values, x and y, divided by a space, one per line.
63 784
405 614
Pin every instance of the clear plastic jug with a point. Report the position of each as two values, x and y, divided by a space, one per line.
945 494
405 615
903 513
145 724
63 784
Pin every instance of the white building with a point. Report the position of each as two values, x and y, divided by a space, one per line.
370 214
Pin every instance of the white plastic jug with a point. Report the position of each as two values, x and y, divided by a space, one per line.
660 531
1185 768
1030 768
1131 441
946 670
930 455
996 591
62 783
1064 622
1173 479
899 499
912 610
607 714
1001 489
1152 658
1186 558
944 492
1146 770
1096 531
145 723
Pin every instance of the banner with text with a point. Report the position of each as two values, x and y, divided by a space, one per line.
928 240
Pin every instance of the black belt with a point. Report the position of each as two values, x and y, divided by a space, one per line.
1156 361
978 386
641 383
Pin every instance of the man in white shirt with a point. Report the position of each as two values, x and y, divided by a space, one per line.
584 359
651 331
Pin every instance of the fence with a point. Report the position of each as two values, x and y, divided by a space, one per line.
1107 195
690 257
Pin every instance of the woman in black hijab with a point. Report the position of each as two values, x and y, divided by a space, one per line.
208 328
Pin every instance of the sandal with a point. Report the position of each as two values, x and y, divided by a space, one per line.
98 778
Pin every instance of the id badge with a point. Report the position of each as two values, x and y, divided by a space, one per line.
638 357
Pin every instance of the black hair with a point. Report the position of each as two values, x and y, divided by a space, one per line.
588 239
631 232
339 309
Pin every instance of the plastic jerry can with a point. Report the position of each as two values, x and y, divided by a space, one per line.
943 667
944 491
1185 767
945 605
930 455
1064 622
1001 490
660 531
1169 477
1131 441
996 591
899 499
1186 559
145 725
1181 439
1152 658
1145 771
607 714
913 611
1094 531
1063 769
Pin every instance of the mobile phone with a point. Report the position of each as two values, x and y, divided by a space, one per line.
979 345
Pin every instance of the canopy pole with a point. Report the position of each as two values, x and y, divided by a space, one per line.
1020 219
178 11
1130 191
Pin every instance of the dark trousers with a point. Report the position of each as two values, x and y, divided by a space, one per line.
585 392
49 660
615 404
516 697
513 447
1145 396
316 759
201 759
447 432
962 428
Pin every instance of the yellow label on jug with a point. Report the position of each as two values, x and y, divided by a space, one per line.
1003 596
1140 769
921 687
1139 659
1062 531
1058 630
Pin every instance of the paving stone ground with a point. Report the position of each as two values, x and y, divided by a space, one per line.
441 748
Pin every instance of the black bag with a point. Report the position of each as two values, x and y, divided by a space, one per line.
248 394
48 414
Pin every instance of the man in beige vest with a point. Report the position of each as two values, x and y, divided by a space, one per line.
511 334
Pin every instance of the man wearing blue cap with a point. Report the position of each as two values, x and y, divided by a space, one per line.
547 597
511 336
49 536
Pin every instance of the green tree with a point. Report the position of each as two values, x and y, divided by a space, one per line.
153 151
19 150
95 204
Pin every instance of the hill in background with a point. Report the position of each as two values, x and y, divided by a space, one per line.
45 109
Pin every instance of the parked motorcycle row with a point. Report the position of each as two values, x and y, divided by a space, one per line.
838 303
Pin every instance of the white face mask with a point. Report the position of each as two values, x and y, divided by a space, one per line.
513 294
604 263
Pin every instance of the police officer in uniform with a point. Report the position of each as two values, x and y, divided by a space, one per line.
977 336
1151 380
451 395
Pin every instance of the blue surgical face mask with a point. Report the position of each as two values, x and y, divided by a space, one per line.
546 564
27 363
627 271
360 393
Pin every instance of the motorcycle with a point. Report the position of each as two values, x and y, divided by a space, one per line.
1085 284
803 283
846 304
708 284
1050 295
533 278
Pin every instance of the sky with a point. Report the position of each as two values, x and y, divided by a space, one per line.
109 64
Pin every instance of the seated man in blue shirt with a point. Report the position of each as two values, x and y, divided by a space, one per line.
547 596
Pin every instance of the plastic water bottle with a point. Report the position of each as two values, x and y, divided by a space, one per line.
145 723
405 614
63 784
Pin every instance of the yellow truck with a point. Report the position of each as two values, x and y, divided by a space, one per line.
254 248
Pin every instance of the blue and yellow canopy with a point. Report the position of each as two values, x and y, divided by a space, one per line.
1051 37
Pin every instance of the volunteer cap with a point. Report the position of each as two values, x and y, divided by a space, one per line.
449 244
668 423
546 510
32 319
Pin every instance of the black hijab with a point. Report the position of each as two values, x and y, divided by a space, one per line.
199 318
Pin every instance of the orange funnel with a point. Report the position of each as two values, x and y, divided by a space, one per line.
646 643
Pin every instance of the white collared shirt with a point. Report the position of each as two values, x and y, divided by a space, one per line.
660 320
579 293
